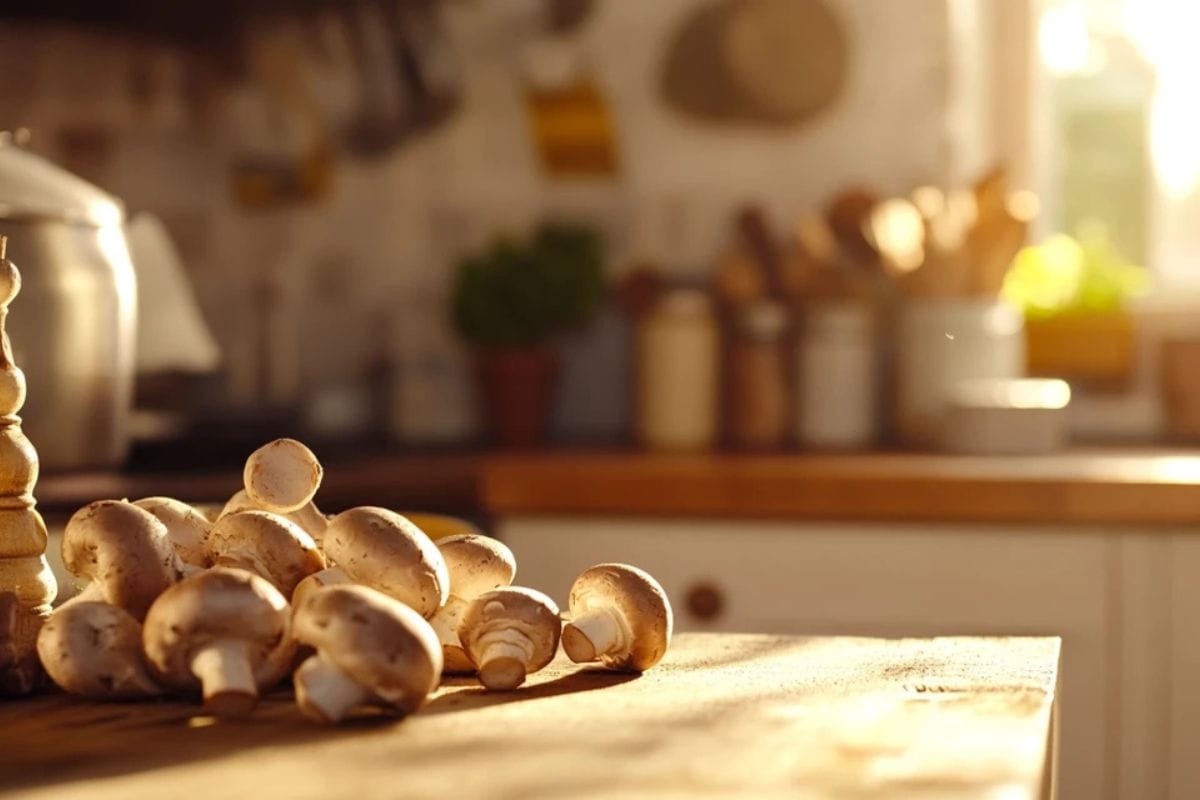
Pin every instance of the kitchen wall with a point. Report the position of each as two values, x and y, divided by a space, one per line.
362 273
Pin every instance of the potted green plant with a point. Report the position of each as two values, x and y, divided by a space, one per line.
510 303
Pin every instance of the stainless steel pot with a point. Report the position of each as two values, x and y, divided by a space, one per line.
73 325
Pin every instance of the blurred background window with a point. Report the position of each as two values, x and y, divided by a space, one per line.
1117 128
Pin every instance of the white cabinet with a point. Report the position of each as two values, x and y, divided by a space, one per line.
883 581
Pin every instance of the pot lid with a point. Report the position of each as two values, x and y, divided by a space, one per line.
33 188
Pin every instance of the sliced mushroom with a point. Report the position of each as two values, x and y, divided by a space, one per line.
619 616
476 564
186 526
125 552
371 649
508 634
308 517
225 631
266 544
381 549
95 650
282 476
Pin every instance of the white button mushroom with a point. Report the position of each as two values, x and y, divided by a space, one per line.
476 564
125 552
282 475
308 516
266 544
619 616
371 649
95 650
225 631
509 633
331 576
381 549
186 526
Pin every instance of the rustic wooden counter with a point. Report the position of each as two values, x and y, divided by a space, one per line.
1155 487
724 715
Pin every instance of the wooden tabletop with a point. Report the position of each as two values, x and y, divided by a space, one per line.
1156 487
723 715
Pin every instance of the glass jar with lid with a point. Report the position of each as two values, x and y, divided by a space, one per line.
678 373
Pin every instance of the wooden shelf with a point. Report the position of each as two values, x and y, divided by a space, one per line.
1150 487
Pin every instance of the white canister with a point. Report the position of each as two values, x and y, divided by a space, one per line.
837 378
942 342
678 373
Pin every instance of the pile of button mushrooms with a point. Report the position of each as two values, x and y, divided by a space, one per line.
190 600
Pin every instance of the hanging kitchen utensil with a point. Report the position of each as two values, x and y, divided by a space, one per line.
774 62
788 58
408 79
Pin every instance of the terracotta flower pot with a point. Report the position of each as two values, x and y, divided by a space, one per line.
516 386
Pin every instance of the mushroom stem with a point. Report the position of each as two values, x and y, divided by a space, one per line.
503 660
326 693
595 634
446 622
226 678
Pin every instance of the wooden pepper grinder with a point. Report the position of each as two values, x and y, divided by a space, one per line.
27 586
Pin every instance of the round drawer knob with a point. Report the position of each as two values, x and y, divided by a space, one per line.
705 600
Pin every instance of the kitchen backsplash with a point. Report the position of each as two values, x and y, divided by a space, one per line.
342 280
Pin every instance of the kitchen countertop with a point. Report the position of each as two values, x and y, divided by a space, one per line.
723 715
1154 487
1148 487
414 481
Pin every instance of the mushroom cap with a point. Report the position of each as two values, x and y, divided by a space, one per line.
217 605
95 649
282 475
382 644
476 564
329 576
266 544
640 600
186 526
307 517
440 526
519 608
123 548
385 551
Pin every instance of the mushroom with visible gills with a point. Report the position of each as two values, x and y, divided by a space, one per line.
266 544
282 476
125 552
476 564
95 650
620 616
186 526
381 549
371 650
509 633
224 631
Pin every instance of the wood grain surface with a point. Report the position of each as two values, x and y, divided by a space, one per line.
1152 488
722 716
